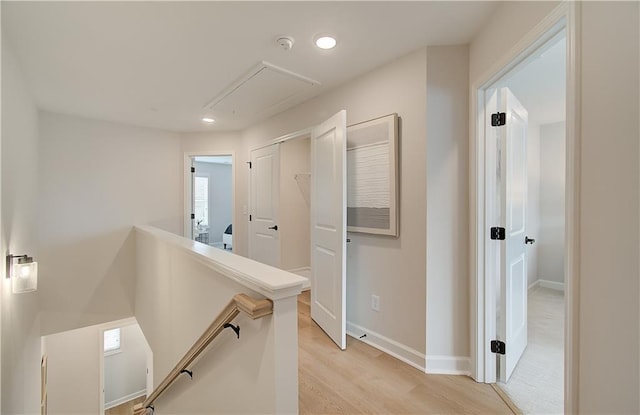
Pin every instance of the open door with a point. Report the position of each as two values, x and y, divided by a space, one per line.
513 259
328 226
264 244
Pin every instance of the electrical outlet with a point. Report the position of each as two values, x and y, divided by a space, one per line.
375 303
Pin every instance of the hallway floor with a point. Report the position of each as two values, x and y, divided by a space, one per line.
537 383
363 379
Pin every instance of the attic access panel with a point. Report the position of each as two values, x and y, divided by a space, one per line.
263 90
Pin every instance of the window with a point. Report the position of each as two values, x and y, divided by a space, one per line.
111 341
201 200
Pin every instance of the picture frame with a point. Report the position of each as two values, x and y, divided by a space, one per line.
372 176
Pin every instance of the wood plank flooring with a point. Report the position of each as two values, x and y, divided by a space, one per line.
364 380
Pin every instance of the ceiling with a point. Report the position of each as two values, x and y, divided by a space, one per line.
540 84
157 64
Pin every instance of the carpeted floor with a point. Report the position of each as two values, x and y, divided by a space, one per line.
537 383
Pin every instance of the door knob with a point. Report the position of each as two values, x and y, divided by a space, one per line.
274 227
528 240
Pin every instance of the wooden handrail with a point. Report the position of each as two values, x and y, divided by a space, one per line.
240 302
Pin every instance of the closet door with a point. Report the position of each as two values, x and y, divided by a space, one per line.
264 243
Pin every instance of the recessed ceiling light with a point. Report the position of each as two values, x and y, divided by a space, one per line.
208 120
326 42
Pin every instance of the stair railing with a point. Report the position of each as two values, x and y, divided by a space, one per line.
240 302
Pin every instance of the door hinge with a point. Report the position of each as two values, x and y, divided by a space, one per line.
193 216
193 169
498 233
498 119
249 163
498 347
249 218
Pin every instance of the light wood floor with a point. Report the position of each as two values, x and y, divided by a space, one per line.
365 380
126 408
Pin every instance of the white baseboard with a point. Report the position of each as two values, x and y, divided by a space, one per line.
124 399
558 286
307 285
448 365
391 347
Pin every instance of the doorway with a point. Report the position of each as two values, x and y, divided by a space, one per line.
530 279
211 200
504 243
280 225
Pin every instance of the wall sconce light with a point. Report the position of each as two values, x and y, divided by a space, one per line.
23 272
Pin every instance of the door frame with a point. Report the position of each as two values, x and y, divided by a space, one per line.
482 295
187 231
304 133
129 321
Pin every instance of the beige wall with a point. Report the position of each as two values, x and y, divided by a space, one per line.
447 209
294 227
73 379
609 237
20 318
609 189
96 180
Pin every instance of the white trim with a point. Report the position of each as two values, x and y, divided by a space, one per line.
448 365
307 285
124 399
391 347
271 282
554 285
482 362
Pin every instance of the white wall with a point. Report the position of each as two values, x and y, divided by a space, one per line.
125 373
550 239
294 227
20 165
534 192
73 379
220 193
447 175
98 179
609 189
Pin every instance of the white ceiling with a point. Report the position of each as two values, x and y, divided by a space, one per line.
540 85
157 64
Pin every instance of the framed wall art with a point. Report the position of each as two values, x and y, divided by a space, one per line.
372 176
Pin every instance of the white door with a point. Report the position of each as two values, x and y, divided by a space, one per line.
328 226
513 259
264 244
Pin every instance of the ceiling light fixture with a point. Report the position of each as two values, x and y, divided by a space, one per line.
208 120
326 42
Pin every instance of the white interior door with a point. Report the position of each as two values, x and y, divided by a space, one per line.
513 259
328 226
264 244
